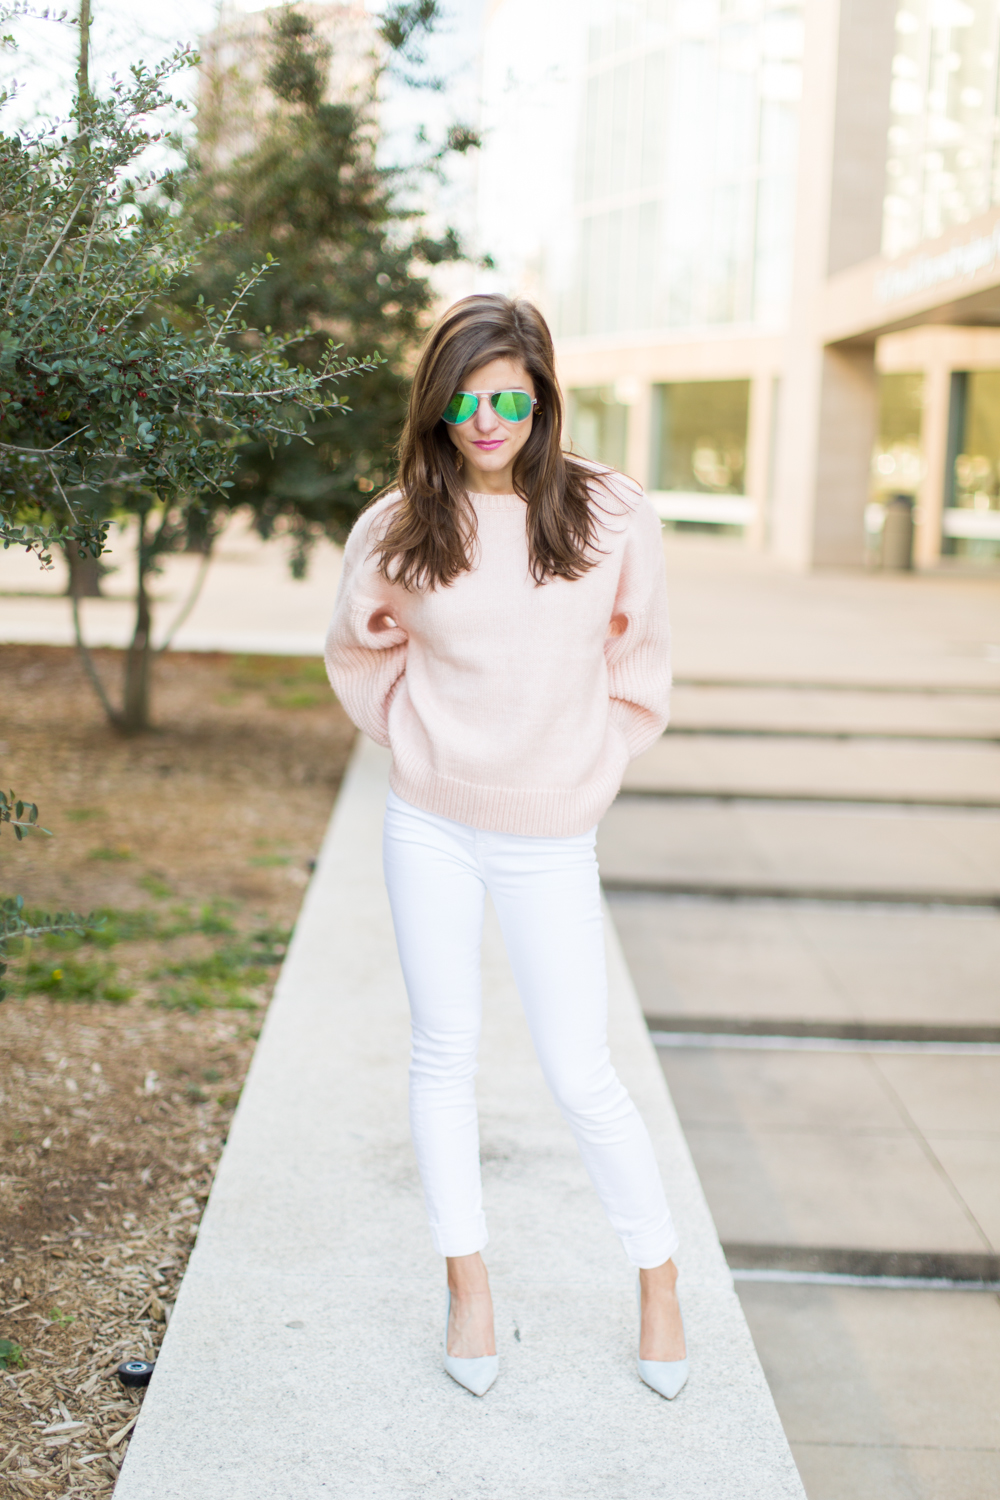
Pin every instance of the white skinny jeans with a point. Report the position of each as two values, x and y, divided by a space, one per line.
546 893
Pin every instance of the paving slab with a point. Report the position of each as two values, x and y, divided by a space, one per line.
972 1164
908 771
737 615
872 1190
884 1394
823 1150
249 603
303 1357
840 711
838 1093
947 1095
765 846
805 961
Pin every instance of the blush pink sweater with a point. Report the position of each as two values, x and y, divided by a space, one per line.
508 705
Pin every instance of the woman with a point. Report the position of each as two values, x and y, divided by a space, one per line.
501 626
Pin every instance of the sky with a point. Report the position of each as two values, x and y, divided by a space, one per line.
124 30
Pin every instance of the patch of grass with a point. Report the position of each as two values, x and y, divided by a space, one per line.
11 1355
84 814
57 1315
120 853
221 981
286 681
299 698
212 919
155 886
115 925
193 996
270 861
71 979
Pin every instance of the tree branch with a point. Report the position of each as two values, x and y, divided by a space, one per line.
88 663
189 603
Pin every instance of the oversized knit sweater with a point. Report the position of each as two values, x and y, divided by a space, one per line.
508 705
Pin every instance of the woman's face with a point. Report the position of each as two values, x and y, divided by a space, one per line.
486 442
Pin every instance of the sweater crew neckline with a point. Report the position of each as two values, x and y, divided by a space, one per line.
495 502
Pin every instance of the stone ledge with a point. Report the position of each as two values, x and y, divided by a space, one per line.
303 1356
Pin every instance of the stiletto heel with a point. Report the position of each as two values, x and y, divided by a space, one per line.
477 1375
664 1376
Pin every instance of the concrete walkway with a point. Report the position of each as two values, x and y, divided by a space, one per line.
303 1357
832 752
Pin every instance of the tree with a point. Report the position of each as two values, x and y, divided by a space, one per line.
353 264
112 401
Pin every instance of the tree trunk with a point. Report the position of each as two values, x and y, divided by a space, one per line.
84 573
83 60
135 707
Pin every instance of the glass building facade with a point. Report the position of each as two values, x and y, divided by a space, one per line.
650 170
943 163
684 177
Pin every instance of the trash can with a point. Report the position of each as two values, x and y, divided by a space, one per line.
897 534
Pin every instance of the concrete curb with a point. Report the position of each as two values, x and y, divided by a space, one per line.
303 1357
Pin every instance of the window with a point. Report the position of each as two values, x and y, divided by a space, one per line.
700 436
598 425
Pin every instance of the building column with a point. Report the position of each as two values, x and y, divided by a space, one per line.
760 457
845 438
934 483
829 408
639 432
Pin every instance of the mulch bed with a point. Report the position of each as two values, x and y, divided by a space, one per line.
123 1055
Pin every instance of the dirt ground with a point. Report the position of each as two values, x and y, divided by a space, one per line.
122 1055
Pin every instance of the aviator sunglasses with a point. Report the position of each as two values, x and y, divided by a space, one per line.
510 406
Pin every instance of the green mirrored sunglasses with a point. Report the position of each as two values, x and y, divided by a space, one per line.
511 406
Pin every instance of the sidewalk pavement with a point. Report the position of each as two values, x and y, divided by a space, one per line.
737 617
304 1354
807 862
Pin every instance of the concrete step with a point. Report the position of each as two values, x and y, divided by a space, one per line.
866 770
845 851
884 1393
740 616
867 1151
304 1354
836 710
773 960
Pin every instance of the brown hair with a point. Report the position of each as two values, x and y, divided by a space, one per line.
430 538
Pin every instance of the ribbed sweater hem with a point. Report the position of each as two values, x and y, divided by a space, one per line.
541 812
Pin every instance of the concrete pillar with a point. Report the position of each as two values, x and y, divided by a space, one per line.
639 435
845 436
933 485
830 399
759 460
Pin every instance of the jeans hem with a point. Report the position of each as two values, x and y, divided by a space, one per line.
647 1251
460 1239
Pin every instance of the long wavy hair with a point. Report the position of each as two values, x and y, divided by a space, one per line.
430 537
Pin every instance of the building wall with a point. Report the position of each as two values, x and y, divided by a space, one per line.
767 191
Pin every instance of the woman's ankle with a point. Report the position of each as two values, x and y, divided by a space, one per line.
467 1276
661 1278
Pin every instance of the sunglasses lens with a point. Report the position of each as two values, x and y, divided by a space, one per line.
460 408
512 406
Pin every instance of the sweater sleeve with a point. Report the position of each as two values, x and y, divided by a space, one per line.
638 646
365 646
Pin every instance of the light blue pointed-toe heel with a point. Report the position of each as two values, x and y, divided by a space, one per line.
477 1375
664 1376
